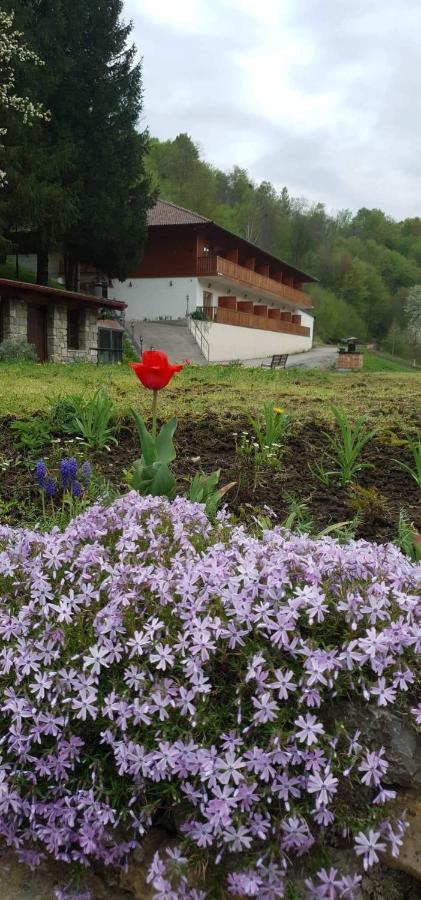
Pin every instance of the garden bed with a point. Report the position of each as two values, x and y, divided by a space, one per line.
379 494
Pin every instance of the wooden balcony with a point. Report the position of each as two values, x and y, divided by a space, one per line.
225 316
218 266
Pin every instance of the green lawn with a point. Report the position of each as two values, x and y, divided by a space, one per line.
383 362
8 270
225 391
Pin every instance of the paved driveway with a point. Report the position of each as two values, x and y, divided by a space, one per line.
318 358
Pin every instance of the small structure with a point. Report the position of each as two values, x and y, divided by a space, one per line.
349 357
63 326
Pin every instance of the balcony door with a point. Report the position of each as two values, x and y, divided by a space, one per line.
37 330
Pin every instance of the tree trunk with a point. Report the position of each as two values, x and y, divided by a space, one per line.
71 272
42 261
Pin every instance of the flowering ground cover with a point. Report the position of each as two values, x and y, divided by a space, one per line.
156 667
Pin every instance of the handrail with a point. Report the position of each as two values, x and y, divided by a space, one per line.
223 316
218 265
203 340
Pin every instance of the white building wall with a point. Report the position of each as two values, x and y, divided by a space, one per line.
232 342
154 298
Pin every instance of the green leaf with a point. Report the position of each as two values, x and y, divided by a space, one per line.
164 447
147 443
155 480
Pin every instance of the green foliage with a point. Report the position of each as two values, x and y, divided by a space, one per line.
407 538
271 428
78 182
414 445
17 349
31 435
335 317
346 449
204 489
151 473
92 419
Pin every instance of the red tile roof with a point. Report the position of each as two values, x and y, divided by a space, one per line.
166 213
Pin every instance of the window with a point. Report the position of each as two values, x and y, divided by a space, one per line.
73 329
110 345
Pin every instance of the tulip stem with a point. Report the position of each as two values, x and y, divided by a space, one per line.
154 406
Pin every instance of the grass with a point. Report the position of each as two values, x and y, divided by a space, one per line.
228 392
383 362
8 270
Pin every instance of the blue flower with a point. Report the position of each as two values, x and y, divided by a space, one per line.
64 472
86 472
50 489
41 473
76 489
72 468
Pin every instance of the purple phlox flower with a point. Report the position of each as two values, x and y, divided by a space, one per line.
323 816
41 473
324 785
163 657
329 887
402 679
238 838
368 846
384 796
266 709
218 810
416 712
245 884
354 745
76 489
296 835
309 729
374 767
229 768
385 694
395 838
284 683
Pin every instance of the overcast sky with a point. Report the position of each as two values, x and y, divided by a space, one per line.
320 95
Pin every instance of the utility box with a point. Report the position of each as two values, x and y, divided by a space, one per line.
349 357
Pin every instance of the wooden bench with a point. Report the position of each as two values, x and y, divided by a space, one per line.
277 362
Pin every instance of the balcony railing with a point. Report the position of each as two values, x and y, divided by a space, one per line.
217 265
248 320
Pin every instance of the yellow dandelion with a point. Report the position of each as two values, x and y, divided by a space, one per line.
278 410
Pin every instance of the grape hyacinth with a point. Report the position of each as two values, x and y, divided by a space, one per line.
154 662
41 473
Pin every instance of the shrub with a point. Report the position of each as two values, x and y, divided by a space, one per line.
17 349
155 664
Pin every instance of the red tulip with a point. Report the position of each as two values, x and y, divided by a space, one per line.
154 370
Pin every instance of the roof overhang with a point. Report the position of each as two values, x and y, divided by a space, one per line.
24 290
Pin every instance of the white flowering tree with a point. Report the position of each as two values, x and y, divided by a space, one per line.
14 52
413 313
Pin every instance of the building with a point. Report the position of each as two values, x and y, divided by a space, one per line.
239 301
63 326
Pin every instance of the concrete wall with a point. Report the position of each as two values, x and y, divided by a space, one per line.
231 342
152 298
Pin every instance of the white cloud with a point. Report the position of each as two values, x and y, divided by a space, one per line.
321 95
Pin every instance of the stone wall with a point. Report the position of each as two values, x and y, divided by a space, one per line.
15 320
58 351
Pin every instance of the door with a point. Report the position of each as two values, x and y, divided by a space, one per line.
37 330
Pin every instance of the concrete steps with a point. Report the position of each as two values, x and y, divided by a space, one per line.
173 337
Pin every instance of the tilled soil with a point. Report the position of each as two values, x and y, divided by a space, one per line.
380 492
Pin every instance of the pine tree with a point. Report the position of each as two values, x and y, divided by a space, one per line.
81 186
